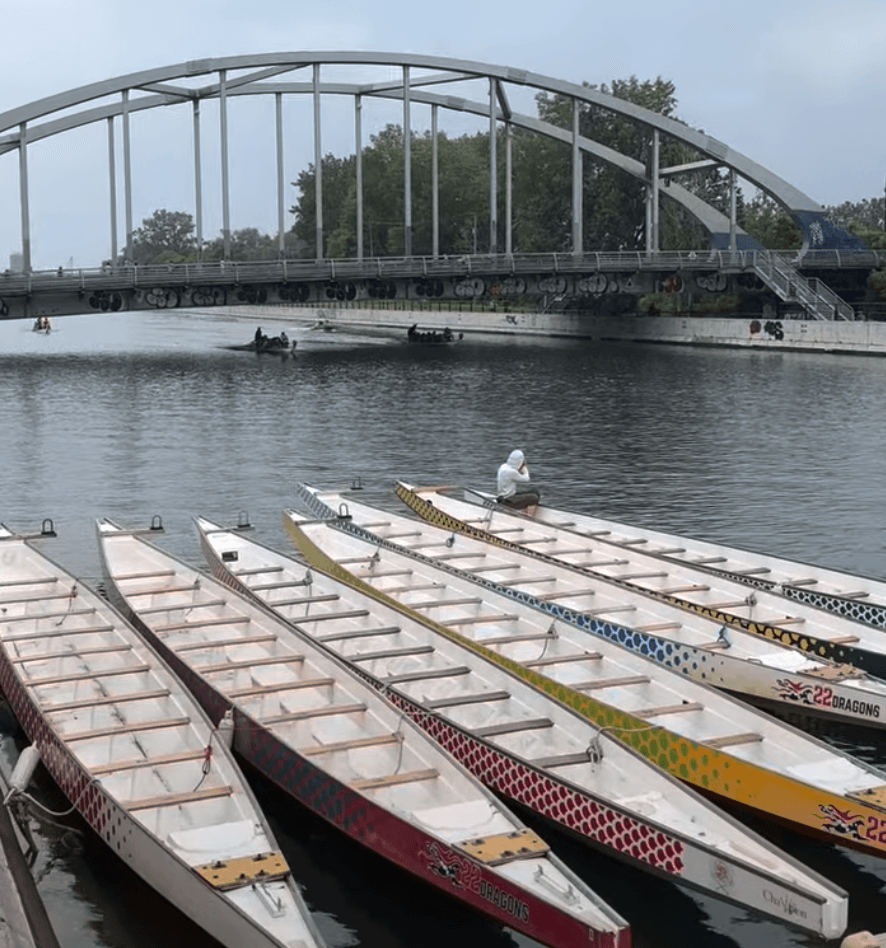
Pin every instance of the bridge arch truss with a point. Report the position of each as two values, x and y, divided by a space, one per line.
427 80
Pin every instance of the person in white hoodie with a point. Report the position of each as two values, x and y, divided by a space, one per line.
514 486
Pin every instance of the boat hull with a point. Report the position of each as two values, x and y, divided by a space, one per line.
424 855
857 821
568 804
219 912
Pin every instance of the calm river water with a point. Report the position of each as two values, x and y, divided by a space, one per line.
136 415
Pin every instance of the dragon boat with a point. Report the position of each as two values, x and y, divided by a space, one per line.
702 735
137 757
306 722
857 597
522 743
710 628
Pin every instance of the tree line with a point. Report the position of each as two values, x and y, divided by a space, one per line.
541 182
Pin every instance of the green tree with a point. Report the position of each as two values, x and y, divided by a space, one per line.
164 237
614 202
246 244
864 219
770 224
462 194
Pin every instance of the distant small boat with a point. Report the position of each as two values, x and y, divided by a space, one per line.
138 758
308 723
432 337
273 346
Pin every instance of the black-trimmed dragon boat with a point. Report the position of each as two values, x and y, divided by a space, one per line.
853 596
523 744
841 643
305 721
718 744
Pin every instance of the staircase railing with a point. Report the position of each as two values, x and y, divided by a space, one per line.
816 297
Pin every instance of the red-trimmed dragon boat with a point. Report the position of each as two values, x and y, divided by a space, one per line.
137 757
305 721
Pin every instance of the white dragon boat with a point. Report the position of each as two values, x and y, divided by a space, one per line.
862 598
709 628
828 610
305 721
138 758
700 734
522 743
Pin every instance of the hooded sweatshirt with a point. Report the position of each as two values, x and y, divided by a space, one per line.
510 479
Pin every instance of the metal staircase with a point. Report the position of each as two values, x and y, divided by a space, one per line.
817 298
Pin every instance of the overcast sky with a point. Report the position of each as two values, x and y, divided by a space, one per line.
796 86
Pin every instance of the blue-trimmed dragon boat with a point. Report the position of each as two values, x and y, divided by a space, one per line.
305 721
829 665
705 737
523 744
137 757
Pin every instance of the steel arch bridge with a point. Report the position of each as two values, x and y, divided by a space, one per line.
437 82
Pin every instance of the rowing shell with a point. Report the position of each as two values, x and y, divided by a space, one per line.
769 767
305 721
521 743
137 757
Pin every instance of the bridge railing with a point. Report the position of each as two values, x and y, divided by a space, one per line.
453 266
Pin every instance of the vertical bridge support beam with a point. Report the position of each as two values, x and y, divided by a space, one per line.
577 175
318 168
127 177
281 243
112 186
223 121
509 188
493 171
23 195
435 185
407 167
358 155
198 180
652 194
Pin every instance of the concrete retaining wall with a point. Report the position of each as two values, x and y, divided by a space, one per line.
867 338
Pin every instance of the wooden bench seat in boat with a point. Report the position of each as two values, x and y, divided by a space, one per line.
427 674
249 663
409 776
457 701
376 740
668 709
733 739
511 727
177 799
102 700
359 633
597 683
323 711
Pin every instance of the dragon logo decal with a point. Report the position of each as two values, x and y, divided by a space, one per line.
795 691
841 822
